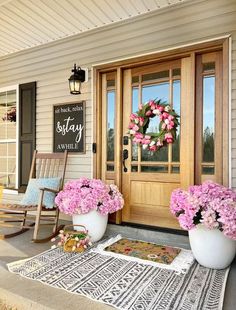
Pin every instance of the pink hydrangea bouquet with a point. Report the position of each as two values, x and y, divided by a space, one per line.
83 195
210 204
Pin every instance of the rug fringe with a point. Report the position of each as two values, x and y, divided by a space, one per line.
180 264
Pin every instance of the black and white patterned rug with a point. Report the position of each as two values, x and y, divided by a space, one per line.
126 284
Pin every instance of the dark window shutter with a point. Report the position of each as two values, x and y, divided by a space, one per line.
27 131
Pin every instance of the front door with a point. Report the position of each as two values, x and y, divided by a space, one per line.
146 178
152 176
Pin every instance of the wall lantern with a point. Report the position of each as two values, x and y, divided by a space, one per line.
76 79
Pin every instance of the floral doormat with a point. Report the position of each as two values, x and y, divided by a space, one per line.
144 250
157 255
124 284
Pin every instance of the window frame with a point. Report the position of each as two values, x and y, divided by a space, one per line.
2 90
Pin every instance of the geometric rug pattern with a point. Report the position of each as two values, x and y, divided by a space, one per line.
124 284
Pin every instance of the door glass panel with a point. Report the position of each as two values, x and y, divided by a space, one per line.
208 66
110 124
155 76
208 170
208 118
110 167
160 91
161 155
175 169
176 72
135 99
110 83
134 168
134 152
176 106
135 102
135 79
163 168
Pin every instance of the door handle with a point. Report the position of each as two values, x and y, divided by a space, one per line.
125 156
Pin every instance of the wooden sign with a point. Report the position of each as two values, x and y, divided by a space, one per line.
69 127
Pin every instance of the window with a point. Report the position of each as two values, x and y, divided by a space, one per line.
209 122
17 134
8 137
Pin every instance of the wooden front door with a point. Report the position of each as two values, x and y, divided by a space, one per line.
191 85
152 176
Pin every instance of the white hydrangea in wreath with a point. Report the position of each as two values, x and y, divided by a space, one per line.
139 122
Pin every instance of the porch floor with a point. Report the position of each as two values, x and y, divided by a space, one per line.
26 294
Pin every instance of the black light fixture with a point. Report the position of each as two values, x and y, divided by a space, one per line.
76 79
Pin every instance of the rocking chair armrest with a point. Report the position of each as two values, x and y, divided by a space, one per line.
49 190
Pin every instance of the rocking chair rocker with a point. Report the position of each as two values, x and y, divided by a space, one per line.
44 166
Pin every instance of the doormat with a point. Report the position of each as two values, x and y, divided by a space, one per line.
125 284
157 255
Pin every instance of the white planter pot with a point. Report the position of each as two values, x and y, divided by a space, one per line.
94 222
211 247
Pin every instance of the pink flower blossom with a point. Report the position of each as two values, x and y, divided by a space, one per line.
156 112
135 128
133 116
168 137
153 148
149 113
160 108
137 140
138 135
146 141
163 126
82 195
165 115
210 203
151 103
170 125
140 106
159 143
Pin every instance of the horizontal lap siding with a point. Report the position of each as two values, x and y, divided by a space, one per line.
50 64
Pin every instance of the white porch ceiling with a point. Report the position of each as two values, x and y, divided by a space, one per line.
29 23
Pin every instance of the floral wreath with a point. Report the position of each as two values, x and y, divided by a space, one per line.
140 120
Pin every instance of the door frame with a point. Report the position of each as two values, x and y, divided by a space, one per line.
119 66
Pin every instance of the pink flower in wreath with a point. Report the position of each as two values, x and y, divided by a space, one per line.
163 126
170 117
141 121
156 112
168 137
149 113
152 104
135 128
160 108
137 140
153 148
133 116
145 141
140 106
131 125
159 143
139 135
165 115
170 125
